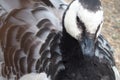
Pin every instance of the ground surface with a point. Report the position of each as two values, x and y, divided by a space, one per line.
111 27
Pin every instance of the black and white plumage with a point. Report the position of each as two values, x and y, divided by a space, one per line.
33 42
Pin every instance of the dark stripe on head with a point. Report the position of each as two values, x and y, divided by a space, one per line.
80 24
82 27
92 5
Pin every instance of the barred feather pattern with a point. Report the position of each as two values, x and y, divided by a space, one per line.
104 51
30 42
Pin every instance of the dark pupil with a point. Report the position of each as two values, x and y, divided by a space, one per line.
80 24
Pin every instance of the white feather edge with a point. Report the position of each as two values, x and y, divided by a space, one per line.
116 72
57 3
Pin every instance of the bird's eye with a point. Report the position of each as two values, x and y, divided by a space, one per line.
80 24
77 19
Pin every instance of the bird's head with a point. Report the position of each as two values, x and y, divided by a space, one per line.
83 20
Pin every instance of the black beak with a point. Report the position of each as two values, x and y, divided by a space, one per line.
87 45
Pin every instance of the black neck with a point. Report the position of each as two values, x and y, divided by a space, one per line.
70 49
84 68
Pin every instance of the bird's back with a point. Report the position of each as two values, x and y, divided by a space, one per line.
28 37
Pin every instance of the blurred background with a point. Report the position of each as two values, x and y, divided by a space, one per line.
111 26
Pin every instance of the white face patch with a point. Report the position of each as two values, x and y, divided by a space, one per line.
91 20
70 20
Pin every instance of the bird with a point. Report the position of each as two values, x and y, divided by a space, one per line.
44 42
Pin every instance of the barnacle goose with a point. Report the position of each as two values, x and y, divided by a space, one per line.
34 43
